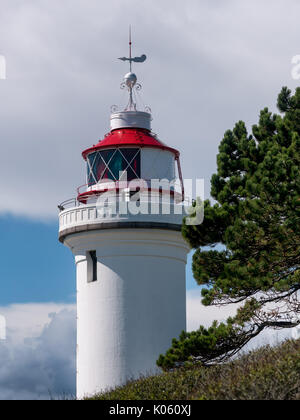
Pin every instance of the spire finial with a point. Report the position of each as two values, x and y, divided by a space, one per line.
130 47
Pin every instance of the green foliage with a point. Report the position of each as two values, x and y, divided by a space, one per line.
200 346
256 218
264 374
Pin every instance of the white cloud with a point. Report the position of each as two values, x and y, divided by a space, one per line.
198 314
29 319
38 356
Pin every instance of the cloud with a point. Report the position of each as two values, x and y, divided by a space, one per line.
38 357
197 314
209 65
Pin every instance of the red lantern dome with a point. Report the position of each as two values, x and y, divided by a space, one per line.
135 137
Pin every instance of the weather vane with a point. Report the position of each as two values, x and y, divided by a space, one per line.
131 59
130 79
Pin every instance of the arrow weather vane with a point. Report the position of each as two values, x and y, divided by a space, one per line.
131 59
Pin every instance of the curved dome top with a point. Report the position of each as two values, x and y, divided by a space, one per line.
135 137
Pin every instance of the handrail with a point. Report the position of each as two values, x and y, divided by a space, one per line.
88 195
74 202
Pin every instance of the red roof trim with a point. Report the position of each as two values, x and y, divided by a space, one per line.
129 137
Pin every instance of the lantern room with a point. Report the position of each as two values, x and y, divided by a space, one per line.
129 152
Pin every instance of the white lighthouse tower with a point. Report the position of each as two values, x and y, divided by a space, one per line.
124 230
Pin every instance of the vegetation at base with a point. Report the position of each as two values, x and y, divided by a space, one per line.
269 373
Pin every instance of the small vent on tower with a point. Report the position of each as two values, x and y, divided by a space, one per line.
92 266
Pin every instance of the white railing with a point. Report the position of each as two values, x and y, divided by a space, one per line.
88 195
90 199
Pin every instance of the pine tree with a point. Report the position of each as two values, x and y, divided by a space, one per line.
256 218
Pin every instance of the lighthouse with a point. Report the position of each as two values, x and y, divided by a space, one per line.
124 230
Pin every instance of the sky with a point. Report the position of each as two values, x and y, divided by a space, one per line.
210 64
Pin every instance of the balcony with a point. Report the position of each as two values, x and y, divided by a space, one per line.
119 209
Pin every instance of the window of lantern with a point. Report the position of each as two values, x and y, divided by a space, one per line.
107 165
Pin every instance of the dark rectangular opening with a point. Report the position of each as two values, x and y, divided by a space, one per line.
92 266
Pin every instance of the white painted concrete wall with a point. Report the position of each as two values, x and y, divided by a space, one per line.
130 315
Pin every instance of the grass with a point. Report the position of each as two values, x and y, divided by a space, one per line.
269 373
